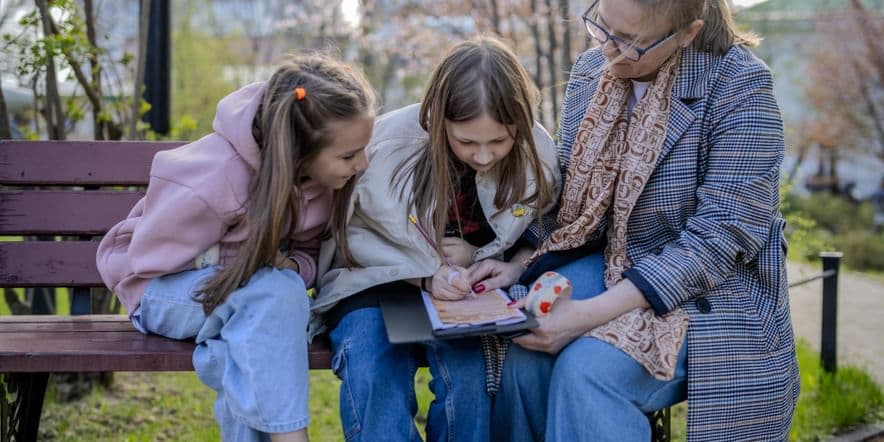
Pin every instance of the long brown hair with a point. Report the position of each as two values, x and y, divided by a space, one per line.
479 76
290 132
719 32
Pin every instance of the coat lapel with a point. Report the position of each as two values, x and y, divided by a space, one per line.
689 87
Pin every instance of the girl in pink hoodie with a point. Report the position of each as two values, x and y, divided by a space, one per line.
223 246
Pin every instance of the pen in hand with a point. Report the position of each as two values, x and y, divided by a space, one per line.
413 220
452 276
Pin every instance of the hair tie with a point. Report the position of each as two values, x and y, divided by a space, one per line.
300 93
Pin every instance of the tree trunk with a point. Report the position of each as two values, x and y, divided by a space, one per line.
54 113
495 16
538 52
143 23
554 73
5 132
99 125
802 152
565 59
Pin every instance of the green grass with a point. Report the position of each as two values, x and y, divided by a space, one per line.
176 406
831 403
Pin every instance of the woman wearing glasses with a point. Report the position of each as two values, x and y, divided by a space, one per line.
669 230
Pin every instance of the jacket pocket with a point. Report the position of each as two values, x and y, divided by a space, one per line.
771 299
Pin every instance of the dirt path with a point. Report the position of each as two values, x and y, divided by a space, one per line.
860 316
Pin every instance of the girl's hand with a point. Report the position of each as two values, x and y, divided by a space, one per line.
450 283
491 274
458 251
284 262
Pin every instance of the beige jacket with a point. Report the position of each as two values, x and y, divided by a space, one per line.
383 242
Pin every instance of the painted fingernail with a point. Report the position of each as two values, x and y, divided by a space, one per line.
511 303
479 288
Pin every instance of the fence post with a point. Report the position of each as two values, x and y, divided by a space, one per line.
829 343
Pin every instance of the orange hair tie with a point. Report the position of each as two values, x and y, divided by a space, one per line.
300 93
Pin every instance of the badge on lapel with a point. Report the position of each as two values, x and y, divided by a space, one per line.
519 210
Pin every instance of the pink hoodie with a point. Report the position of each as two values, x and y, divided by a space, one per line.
196 200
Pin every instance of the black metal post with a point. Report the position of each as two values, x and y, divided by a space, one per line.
829 343
157 67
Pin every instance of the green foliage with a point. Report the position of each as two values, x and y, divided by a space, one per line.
68 50
805 242
830 403
199 60
823 221
863 249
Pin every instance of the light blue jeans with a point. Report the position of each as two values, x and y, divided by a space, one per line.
377 390
252 349
589 391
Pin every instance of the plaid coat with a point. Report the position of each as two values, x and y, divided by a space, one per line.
706 234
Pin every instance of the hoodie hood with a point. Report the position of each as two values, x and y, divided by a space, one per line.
233 120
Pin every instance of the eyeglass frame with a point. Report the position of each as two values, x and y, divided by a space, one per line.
587 21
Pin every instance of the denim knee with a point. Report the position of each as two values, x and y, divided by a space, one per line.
276 289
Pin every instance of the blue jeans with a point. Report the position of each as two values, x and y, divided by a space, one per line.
252 349
591 390
377 391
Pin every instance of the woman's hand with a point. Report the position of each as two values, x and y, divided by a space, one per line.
557 329
491 274
458 251
570 318
450 283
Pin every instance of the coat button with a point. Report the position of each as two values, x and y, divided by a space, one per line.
703 305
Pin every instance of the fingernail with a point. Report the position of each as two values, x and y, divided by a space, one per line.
479 288
511 303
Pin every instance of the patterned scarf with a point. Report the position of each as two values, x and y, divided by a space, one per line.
613 156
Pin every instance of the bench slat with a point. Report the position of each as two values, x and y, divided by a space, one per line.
49 264
58 212
46 344
78 162
36 327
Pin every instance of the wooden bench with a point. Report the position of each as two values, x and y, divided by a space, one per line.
32 347
78 190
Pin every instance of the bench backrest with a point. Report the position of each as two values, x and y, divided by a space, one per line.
50 189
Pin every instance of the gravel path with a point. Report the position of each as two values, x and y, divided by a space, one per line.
860 315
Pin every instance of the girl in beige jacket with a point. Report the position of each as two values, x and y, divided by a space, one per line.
472 167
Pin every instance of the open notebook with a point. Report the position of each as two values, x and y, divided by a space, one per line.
414 316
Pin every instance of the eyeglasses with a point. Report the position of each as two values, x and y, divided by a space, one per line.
628 49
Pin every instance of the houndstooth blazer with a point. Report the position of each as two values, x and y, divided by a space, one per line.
706 234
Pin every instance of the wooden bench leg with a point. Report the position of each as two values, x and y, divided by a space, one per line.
21 415
660 425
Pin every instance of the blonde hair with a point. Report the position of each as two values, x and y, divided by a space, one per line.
719 32
290 131
479 76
